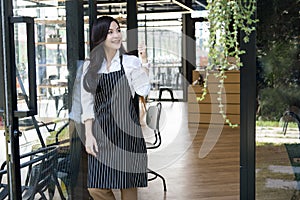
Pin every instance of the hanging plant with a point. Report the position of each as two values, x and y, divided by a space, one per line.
227 18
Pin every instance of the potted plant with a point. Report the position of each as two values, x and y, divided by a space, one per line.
226 18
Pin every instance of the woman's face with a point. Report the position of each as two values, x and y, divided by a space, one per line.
114 37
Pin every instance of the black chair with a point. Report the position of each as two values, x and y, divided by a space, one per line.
41 174
56 94
64 170
152 121
168 89
294 157
291 115
3 186
65 105
64 167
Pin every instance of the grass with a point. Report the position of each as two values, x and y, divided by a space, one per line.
52 138
62 136
267 155
270 184
275 124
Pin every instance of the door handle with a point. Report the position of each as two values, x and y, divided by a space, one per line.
32 98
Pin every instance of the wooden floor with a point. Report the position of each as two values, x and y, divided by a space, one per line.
189 177
201 163
191 173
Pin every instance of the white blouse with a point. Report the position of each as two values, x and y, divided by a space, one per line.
136 75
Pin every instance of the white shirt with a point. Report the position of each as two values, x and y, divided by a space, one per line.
76 109
137 78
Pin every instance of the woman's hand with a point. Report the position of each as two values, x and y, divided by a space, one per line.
143 53
91 146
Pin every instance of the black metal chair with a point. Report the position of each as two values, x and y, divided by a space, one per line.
291 115
64 168
152 121
168 89
41 174
56 94
3 186
294 157
65 105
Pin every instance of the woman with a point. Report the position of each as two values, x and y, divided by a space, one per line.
114 140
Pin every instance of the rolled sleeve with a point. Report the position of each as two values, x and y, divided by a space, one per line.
138 79
87 99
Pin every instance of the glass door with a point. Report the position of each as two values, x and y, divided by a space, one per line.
51 70
278 98
40 74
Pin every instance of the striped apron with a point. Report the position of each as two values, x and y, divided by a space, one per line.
121 160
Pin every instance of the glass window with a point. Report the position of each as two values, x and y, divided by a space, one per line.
278 111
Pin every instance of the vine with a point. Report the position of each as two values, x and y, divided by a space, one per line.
226 18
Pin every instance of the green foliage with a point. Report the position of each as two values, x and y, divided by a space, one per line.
275 101
278 21
281 66
272 106
278 50
227 18
263 123
62 136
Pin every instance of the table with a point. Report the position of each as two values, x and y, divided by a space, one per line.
58 85
28 124
42 121
61 84
54 91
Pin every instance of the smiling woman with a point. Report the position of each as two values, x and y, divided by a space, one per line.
114 140
112 42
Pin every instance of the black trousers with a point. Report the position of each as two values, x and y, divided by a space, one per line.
78 163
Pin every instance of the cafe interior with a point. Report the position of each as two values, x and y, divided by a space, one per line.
193 153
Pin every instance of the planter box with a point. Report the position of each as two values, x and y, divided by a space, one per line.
207 110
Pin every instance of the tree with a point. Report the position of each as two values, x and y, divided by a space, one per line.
278 51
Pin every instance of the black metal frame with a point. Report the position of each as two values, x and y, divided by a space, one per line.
247 118
10 100
32 100
188 51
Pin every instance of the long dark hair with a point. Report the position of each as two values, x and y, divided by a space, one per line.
99 33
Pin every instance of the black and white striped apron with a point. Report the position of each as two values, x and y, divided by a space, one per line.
121 160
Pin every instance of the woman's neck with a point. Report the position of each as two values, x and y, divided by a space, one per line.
110 54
